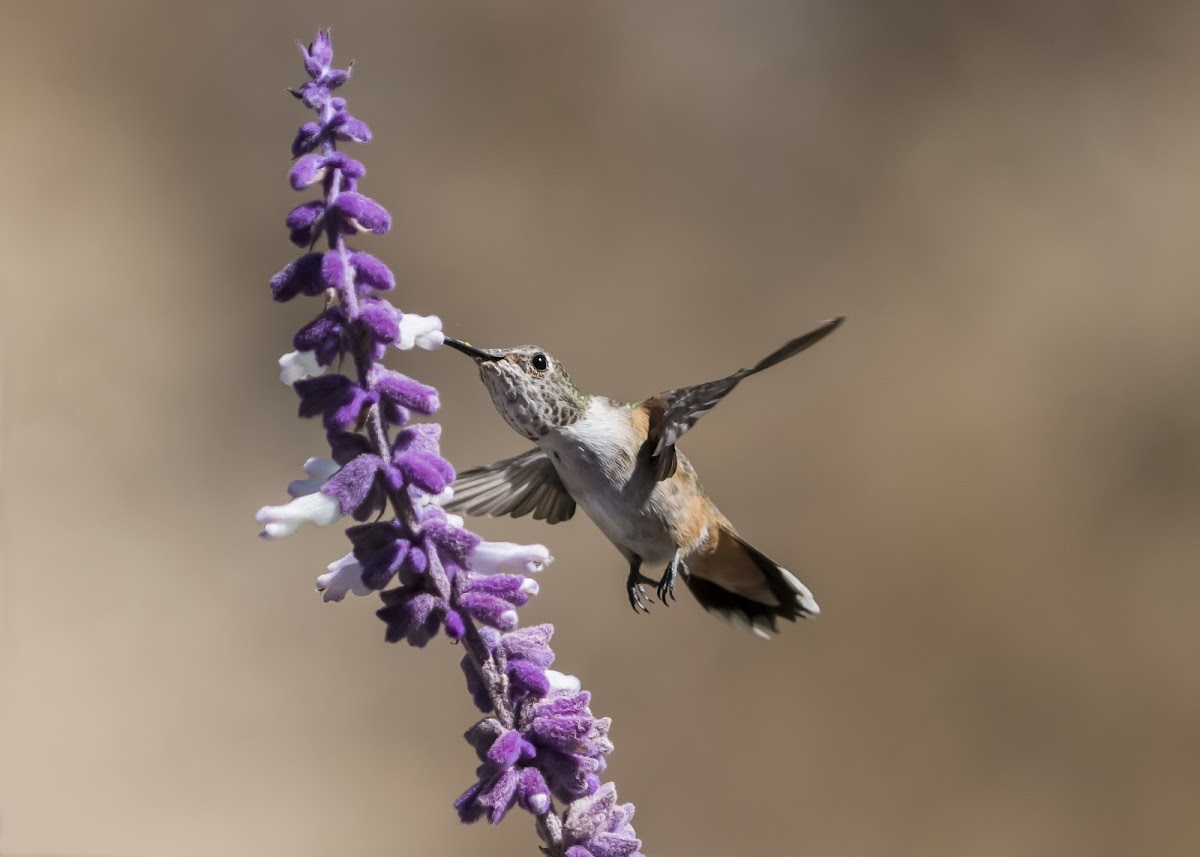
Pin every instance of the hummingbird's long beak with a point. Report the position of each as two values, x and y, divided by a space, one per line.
470 350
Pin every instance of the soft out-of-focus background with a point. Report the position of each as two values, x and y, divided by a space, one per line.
989 477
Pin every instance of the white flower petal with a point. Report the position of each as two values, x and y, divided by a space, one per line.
279 521
298 365
423 499
319 470
563 682
423 331
500 557
345 575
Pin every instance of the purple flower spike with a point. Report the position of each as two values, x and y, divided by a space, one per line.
539 746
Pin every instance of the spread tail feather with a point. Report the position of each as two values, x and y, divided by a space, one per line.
740 583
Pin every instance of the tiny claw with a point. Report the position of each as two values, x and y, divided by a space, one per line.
666 586
636 594
635 586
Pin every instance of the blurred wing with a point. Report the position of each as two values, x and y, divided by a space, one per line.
515 486
674 412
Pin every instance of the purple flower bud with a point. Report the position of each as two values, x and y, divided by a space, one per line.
404 392
567 734
306 171
529 677
371 273
304 220
337 77
348 129
415 564
312 168
511 587
467 804
362 212
335 271
383 551
456 626
336 397
381 321
318 55
483 735
322 335
411 616
313 95
345 445
425 472
372 537
529 644
346 165
599 825
612 845
532 792
308 137
489 610
301 277
566 774
500 796
382 565
351 485
506 749
451 542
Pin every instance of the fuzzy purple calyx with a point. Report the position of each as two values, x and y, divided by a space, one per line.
299 277
335 398
323 335
361 213
312 168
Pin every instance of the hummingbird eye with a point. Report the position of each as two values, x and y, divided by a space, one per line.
539 362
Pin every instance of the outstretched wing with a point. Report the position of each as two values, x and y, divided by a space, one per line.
515 486
673 412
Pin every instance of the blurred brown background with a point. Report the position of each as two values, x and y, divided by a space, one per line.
989 477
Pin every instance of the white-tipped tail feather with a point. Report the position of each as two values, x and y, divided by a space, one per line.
741 584
803 595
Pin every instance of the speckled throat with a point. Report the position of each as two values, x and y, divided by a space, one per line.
532 406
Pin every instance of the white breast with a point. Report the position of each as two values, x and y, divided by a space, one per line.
595 458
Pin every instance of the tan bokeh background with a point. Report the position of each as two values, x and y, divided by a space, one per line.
989 477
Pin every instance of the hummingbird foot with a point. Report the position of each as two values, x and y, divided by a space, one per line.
635 585
666 586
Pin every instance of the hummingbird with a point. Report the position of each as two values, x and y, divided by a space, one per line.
620 463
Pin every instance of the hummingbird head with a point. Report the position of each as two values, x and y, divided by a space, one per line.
529 387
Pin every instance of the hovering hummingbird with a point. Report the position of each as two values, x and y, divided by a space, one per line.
620 463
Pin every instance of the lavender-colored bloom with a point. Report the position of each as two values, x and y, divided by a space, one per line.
539 742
